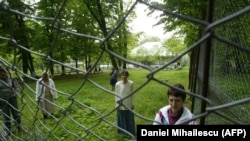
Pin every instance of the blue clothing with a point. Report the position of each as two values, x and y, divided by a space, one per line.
113 82
125 105
126 121
113 77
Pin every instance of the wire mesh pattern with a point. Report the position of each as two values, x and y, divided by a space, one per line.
228 77
228 80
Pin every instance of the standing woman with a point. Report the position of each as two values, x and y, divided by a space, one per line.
125 104
46 94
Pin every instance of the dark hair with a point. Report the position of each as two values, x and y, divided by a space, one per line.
124 72
177 93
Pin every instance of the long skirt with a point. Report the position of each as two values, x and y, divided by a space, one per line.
126 121
47 105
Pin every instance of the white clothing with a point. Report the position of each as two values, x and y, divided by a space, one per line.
40 89
161 117
122 91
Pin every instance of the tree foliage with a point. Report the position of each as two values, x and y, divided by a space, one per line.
191 8
96 18
174 45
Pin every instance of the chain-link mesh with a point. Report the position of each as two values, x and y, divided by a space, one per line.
227 80
228 77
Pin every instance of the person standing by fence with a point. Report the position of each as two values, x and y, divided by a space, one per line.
113 78
9 101
125 104
46 94
175 112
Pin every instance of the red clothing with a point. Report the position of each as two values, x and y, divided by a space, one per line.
172 118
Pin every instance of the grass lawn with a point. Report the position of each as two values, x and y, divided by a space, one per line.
86 108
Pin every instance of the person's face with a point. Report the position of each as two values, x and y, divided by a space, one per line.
124 77
176 104
3 74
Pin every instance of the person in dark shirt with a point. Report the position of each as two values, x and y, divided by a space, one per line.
113 78
8 100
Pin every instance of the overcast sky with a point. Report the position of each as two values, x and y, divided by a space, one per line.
144 23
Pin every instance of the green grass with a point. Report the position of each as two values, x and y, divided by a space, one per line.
83 105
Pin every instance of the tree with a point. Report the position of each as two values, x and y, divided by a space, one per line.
174 45
14 27
106 14
192 8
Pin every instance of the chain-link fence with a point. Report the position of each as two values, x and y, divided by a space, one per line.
219 71
223 64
